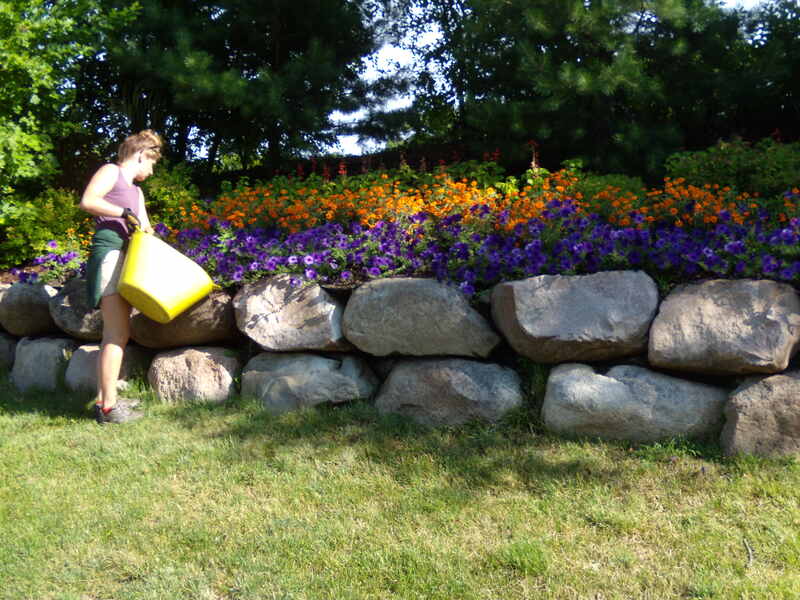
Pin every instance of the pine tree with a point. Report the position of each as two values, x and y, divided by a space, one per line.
252 78
619 83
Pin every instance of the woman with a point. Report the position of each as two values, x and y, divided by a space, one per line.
118 207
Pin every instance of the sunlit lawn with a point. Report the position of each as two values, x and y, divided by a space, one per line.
227 502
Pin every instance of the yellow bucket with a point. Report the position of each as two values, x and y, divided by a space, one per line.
160 281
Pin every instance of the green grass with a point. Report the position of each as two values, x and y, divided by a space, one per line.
227 502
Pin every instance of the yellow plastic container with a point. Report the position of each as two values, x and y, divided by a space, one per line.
160 281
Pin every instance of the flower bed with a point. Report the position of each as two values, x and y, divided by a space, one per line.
476 233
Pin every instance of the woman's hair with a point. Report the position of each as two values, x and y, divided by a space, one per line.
147 141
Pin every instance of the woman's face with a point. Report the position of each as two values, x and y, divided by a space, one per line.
145 169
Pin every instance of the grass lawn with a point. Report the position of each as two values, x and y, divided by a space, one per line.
225 502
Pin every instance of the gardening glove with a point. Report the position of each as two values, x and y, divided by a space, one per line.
131 218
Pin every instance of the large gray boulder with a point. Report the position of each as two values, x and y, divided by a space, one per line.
281 317
71 312
81 373
286 382
202 374
762 417
727 327
210 321
3 288
8 347
39 363
25 310
558 318
415 317
629 403
452 391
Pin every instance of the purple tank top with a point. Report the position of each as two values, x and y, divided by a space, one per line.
124 195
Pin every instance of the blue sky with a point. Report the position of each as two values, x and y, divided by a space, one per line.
348 145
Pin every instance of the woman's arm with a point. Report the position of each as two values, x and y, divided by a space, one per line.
101 183
143 214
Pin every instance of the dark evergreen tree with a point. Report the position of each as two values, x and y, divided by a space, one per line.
619 83
252 78
770 100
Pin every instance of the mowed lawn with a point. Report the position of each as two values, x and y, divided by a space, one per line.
227 502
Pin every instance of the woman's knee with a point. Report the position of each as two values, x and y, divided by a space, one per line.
117 338
116 314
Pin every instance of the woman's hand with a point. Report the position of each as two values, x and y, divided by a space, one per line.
131 218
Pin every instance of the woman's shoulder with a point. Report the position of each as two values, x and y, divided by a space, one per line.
110 168
108 173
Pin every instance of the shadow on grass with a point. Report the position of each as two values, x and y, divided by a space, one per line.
59 403
472 456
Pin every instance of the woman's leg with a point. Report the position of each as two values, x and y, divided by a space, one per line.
116 330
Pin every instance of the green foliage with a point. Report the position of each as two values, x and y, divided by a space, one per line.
227 162
568 81
767 168
168 190
621 83
62 262
674 449
240 78
26 226
22 238
485 173
41 42
534 379
770 88
591 184
24 153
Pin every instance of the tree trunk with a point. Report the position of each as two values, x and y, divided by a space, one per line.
182 141
213 150
274 151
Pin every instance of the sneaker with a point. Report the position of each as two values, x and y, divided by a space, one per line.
122 412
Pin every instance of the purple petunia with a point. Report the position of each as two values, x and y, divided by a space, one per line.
735 247
563 240
769 263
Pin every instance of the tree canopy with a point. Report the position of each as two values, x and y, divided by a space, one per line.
237 76
619 83
41 43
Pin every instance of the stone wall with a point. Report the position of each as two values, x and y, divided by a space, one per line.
711 360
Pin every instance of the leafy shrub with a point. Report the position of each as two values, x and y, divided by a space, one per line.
26 226
170 193
590 185
767 168
486 173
